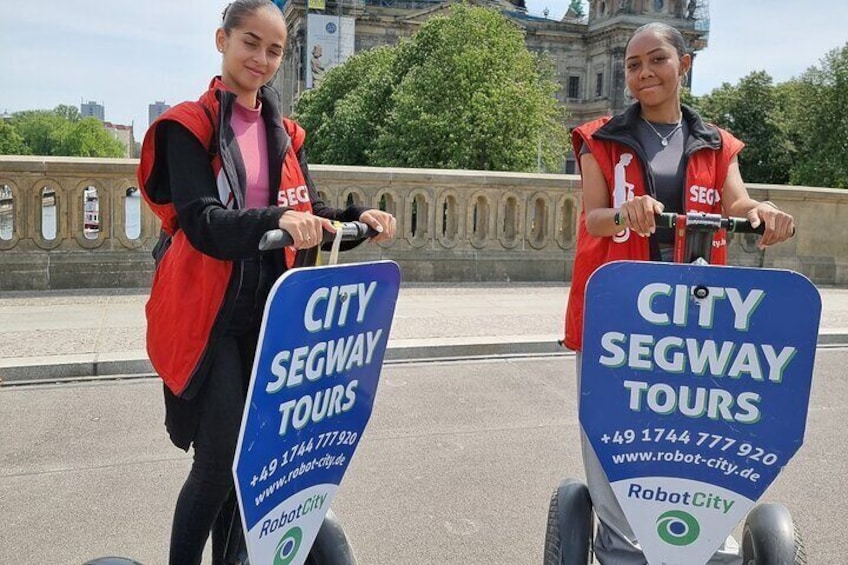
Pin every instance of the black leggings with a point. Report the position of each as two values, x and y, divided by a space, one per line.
206 501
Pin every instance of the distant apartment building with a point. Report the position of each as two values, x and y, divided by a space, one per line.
124 134
93 109
155 110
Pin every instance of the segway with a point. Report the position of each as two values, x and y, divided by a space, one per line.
693 399
312 388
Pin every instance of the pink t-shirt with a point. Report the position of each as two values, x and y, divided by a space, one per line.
249 129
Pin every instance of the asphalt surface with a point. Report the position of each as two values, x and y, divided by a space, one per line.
456 467
474 425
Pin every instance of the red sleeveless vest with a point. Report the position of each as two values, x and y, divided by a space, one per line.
705 175
189 288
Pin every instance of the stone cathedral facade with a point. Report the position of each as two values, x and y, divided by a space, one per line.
587 52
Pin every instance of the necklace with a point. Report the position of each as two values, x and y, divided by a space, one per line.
664 138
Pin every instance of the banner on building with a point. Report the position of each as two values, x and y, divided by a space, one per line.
329 42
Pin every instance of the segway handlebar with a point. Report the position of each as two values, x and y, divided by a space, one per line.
351 231
705 222
710 222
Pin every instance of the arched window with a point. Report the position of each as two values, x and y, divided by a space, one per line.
480 219
510 218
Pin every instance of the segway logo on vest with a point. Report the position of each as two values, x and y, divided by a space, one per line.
698 499
292 196
286 517
704 195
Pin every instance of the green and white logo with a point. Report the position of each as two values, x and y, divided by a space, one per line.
677 527
288 546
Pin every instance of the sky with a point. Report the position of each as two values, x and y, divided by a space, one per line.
128 54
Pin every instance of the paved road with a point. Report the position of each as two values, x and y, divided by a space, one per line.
455 468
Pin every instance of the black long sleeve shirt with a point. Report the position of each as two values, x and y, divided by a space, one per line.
212 228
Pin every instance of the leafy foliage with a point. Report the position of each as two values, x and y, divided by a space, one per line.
11 142
88 138
751 111
795 132
41 130
820 99
343 116
61 131
70 113
464 92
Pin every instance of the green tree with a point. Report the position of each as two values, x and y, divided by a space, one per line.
41 130
686 97
816 111
70 113
464 92
11 142
343 116
88 138
752 111
63 131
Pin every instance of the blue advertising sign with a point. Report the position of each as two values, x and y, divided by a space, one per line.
695 382
314 380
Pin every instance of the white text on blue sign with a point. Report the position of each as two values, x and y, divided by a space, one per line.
328 307
662 304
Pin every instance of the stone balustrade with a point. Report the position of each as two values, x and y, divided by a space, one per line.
81 223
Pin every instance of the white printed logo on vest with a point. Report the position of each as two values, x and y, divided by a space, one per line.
622 192
291 197
710 197
704 195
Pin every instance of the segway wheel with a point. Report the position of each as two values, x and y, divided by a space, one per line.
331 546
770 537
111 561
568 540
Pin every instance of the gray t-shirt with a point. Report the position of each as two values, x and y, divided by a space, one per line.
666 162
668 169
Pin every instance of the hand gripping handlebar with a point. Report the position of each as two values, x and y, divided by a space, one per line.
709 222
351 231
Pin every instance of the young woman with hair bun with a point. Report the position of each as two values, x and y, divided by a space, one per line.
219 172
